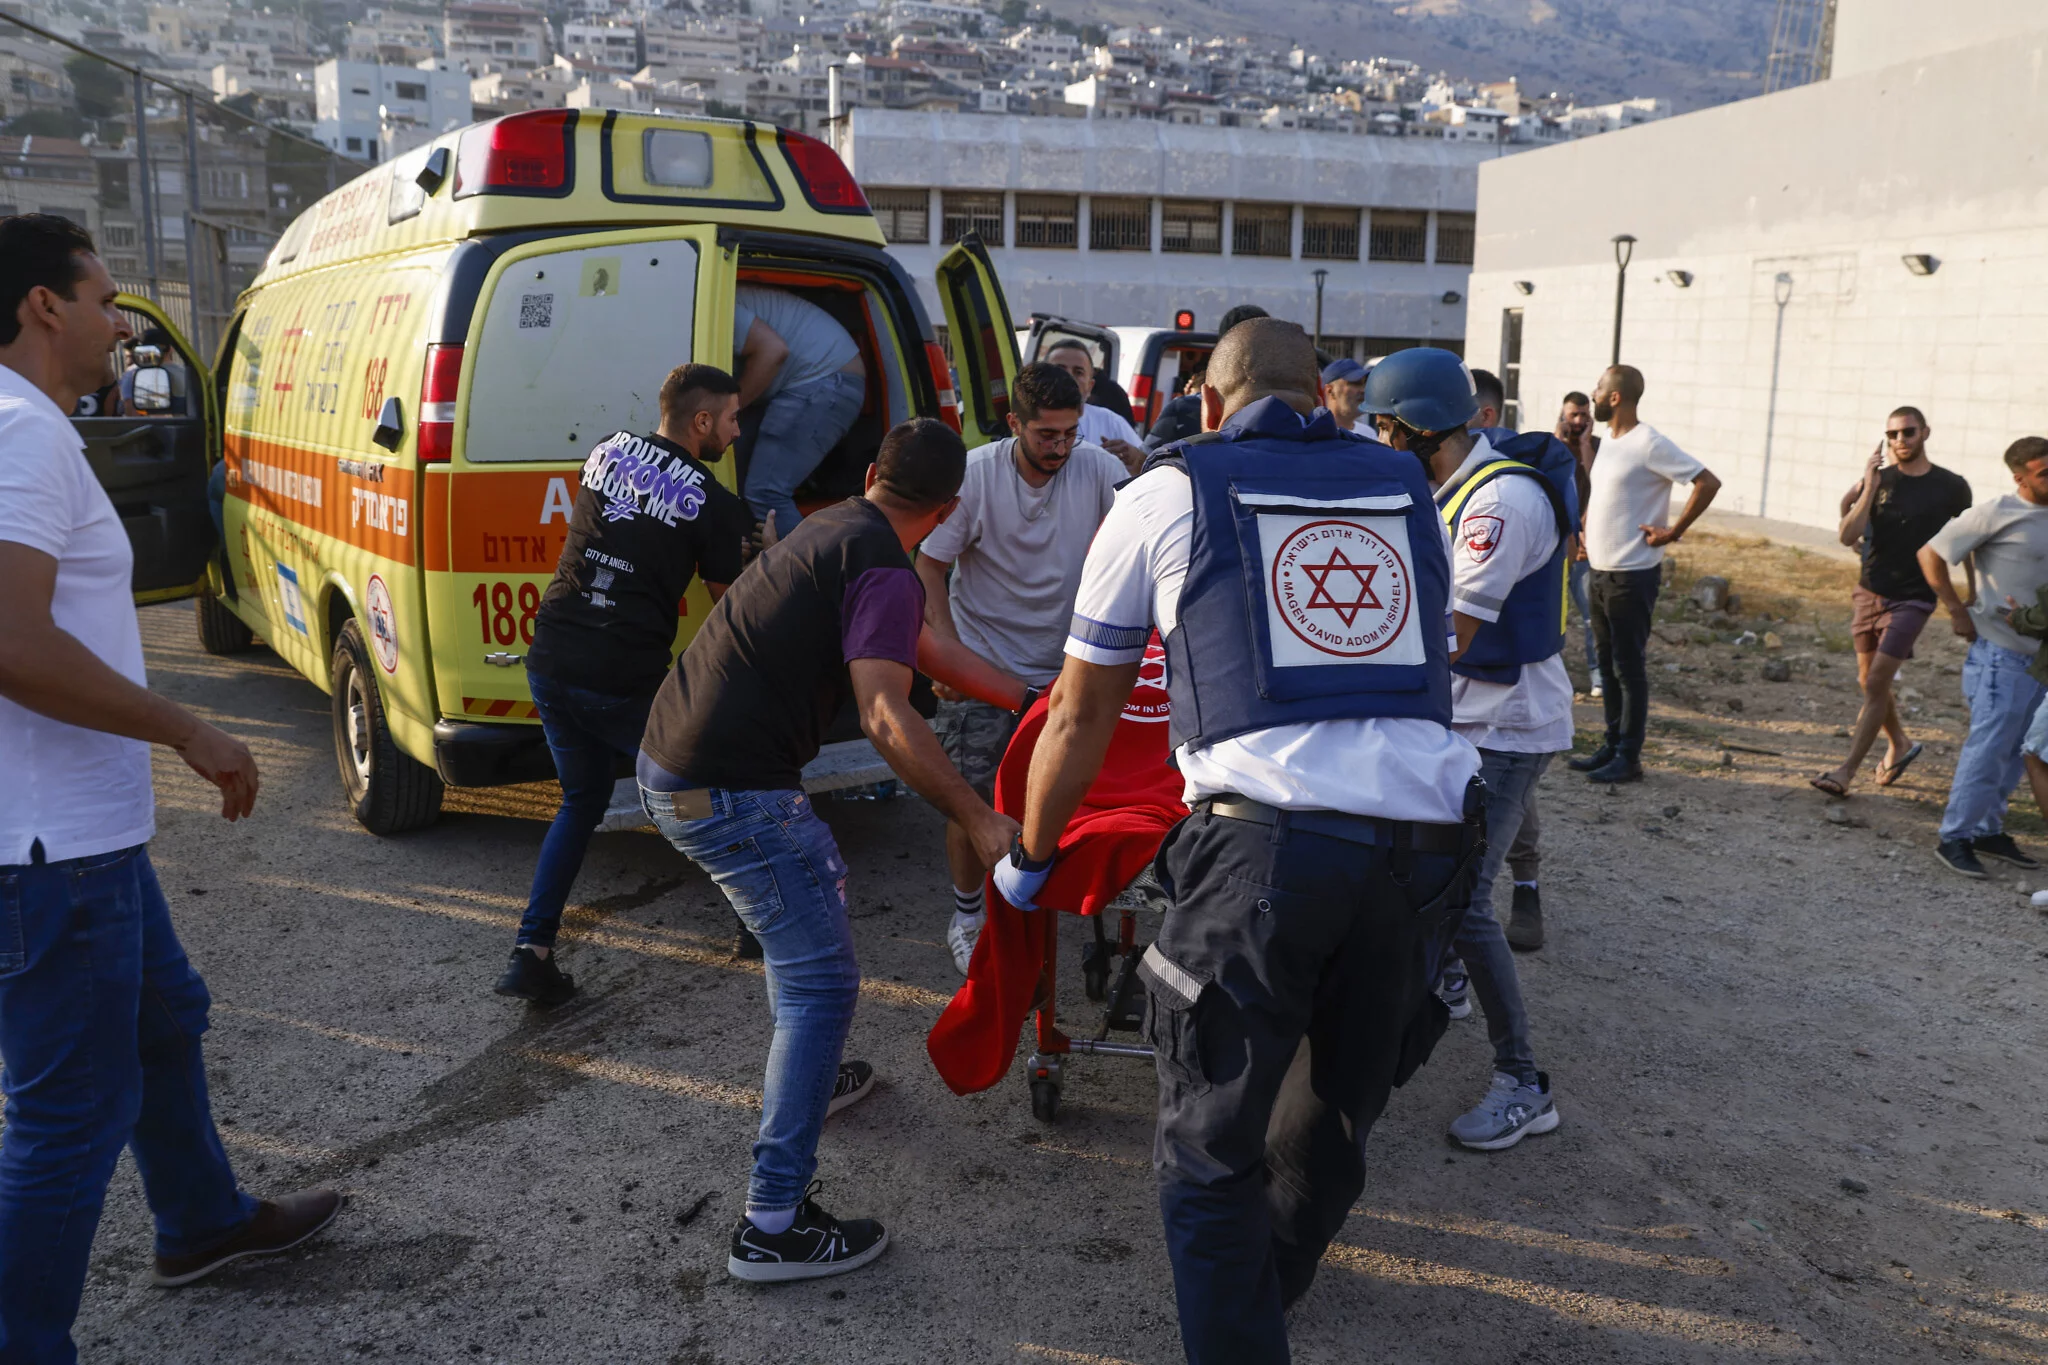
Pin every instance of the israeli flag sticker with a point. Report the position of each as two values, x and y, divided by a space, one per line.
288 595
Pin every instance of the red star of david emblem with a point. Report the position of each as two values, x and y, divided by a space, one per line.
1337 566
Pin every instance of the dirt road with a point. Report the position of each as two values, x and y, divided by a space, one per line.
1799 1066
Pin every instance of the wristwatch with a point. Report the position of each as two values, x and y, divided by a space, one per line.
1022 863
1031 694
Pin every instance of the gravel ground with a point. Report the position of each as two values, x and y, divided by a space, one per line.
1798 1065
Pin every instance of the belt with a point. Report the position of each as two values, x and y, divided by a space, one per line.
1355 829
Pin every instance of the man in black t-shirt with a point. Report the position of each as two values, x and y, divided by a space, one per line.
831 611
648 518
1889 514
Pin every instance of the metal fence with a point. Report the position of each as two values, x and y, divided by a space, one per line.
184 193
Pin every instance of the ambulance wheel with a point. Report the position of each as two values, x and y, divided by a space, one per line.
388 791
1045 1101
220 630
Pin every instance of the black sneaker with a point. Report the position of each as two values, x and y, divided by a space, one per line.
1585 763
744 944
816 1245
856 1082
1618 769
1525 921
2001 847
530 976
1956 856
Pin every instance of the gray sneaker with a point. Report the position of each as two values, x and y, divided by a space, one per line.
1510 1112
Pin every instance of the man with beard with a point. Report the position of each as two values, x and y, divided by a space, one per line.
1028 508
606 629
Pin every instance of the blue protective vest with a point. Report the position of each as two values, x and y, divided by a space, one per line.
1317 588
1531 627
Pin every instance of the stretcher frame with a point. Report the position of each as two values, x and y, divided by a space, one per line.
1044 1069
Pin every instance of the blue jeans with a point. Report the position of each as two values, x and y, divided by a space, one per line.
1576 583
798 431
100 1018
2002 698
1510 790
776 862
588 733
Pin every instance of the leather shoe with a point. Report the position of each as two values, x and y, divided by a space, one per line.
1585 763
276 1226
1620 770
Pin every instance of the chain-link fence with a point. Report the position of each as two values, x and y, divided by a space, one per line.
183 193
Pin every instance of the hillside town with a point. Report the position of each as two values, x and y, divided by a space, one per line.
371 82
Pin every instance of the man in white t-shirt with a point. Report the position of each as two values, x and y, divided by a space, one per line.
100 1012
1628 524
1328 844
1510 694
1099 426
1028 508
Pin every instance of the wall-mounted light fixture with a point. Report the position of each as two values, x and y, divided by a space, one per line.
1920 263
1525 287
1453 296
1681 278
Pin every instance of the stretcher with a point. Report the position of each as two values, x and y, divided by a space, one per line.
1109 975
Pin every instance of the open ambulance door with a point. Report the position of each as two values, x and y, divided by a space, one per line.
147 436
984 340
1047 332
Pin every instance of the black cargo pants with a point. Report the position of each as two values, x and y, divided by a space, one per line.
1289 992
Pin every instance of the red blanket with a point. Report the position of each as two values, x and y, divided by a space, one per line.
1135 800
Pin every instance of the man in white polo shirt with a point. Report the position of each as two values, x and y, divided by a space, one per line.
100 1012
1628 524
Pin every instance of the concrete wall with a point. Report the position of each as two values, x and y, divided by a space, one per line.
1802 327
1873 34
1144 158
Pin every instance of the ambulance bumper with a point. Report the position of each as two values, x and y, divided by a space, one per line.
473 754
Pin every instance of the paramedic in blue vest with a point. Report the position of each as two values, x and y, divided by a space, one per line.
1334 830
1510 695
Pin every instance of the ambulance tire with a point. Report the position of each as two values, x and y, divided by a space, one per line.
388 791
220 630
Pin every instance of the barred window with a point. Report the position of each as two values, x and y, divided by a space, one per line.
1399 235
1376 348
1329 234
1191 225
1454 234
979 213
1119 224
1262 230
904 216
1049 220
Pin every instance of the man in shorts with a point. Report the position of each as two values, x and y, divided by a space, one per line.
1029 505
1889 514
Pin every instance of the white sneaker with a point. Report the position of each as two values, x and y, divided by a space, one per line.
962 935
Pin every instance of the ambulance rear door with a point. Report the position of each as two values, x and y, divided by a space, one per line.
983 337
147 434
569 341
1047 332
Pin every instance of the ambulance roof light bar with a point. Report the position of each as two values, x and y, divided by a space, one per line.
1184 320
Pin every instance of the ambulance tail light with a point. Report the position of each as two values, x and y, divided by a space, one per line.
823 177
519 154
1141 397
942 380
438 381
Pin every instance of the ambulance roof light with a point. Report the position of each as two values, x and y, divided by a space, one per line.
823 177
1184 320
527 154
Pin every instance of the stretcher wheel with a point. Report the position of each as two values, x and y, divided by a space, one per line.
1096 959
1045 1100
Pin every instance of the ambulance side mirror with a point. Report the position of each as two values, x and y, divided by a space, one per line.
152 389
390 432
434 172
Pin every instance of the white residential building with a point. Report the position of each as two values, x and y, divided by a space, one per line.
359 105
480 35
608 44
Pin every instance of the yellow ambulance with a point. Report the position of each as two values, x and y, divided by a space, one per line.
405 395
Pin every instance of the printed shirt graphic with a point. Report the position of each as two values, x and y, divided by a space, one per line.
647 519
1506 531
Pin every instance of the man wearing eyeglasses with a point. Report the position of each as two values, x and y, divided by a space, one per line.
1902 499
1028 508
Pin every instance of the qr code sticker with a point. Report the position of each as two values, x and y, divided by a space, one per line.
537 310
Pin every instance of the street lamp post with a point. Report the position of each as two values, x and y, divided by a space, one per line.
1624 248
1320 275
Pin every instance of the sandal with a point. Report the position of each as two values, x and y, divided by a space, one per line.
1892 772
1826 783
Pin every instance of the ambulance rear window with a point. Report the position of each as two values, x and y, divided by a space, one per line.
574 346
